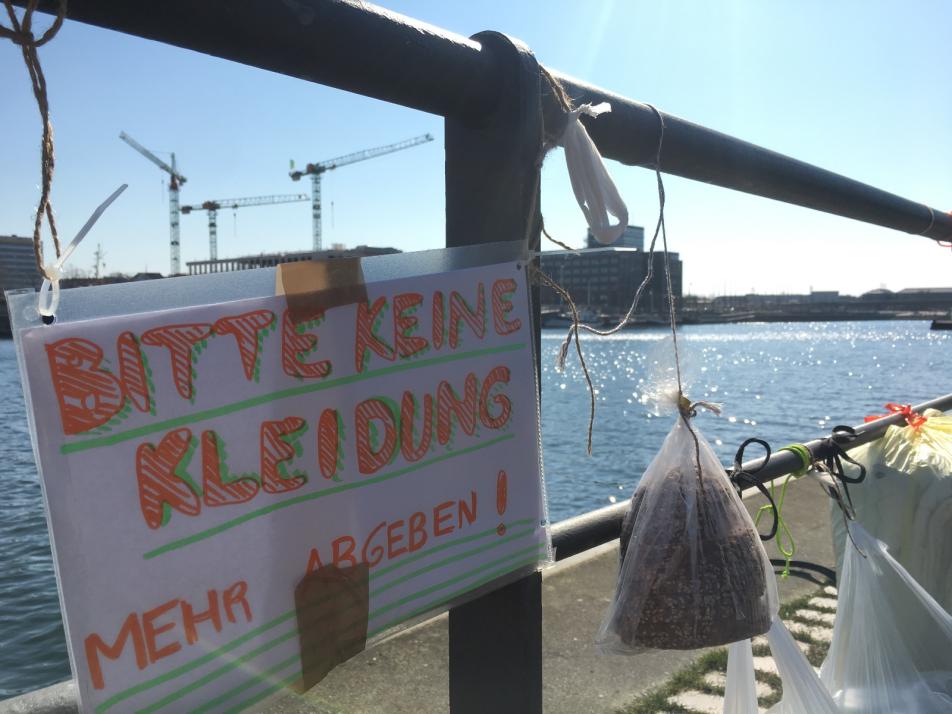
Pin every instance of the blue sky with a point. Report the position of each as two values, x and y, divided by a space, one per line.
862 88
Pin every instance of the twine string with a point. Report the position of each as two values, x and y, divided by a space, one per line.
21 33
649 273
545 279
686 408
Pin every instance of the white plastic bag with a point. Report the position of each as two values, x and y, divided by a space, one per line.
740 694
892 642
803 692
906 501
694 572
593 186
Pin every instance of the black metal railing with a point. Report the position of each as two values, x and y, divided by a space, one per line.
368 50
497 109
576 535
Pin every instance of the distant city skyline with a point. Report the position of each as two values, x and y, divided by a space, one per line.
812 80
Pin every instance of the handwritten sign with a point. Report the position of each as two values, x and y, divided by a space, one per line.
217 477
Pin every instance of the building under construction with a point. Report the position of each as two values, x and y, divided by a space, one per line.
270 260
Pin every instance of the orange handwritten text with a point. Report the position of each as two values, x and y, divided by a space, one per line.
389 540
153 634
91 394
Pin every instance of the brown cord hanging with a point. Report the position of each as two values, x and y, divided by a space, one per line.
21 33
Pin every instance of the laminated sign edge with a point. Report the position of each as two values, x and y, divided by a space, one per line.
201 465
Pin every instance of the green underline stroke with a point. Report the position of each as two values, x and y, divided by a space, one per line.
281 619
226 668
456 579
189 666
293 633
227 525
192 686
443 599
453 559
264 694
216 673
187 419
251 681
403 562
538 547
420 610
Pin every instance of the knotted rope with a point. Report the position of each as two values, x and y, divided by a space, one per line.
21 33
604 202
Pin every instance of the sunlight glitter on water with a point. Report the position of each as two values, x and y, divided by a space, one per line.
782 382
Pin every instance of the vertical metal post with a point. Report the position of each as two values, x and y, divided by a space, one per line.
492 194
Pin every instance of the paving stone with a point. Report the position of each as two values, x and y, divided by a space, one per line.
698 702
759 641
819 633
765 664
824 602
830 590
826 618
719 679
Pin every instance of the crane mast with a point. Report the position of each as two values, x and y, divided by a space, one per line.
175 181
212 207
316 170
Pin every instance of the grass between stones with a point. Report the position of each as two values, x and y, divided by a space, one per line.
691 678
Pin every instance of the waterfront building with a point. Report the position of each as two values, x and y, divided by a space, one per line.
87 281
270 260
605 279
881 299
910 299
633 237
17 271
17 264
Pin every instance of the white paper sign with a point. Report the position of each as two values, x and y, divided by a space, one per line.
199 463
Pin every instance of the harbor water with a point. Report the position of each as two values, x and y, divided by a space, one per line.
781 382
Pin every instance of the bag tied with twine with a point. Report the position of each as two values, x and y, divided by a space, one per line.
694 572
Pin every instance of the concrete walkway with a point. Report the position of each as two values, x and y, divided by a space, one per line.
408 673
812 629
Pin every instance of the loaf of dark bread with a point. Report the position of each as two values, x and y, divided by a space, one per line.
703 582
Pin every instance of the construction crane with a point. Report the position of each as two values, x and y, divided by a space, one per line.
213 206
175 180
316 170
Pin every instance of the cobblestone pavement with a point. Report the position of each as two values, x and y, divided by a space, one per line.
700 688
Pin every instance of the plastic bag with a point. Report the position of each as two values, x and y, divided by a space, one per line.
740 694
892 642
694 572
906 501
803 692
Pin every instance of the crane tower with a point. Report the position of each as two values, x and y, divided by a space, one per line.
175 180
213 206
317 169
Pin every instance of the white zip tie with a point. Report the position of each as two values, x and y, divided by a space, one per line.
49 295
594 189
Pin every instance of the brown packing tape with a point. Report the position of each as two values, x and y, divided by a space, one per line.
332 607
311 286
